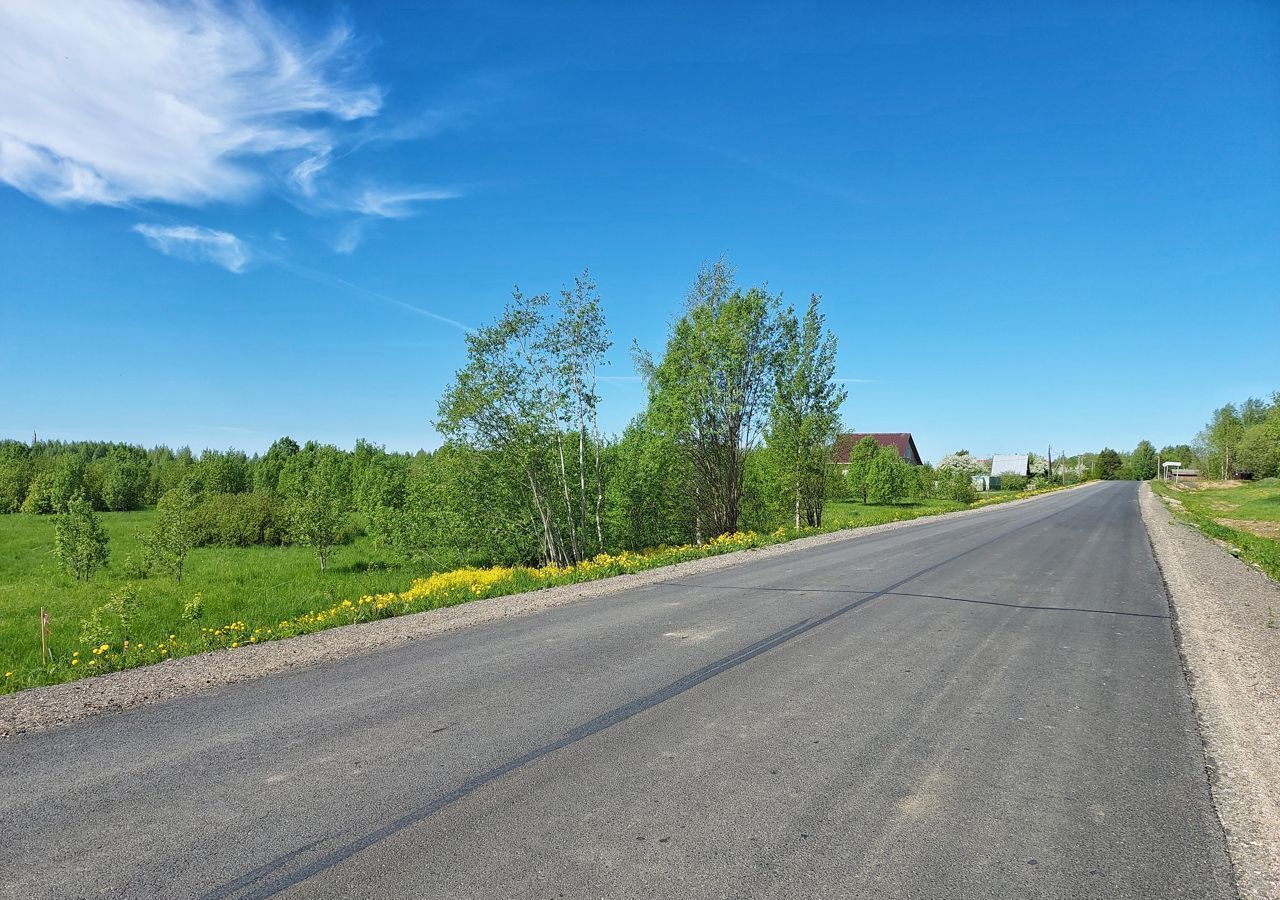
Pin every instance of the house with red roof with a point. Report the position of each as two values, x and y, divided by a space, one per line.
899 440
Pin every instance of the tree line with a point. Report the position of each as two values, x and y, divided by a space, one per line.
1240 439
737 433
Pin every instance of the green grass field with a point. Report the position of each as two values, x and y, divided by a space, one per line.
261 587
258 584
1244 515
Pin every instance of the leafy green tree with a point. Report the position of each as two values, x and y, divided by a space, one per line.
888 476
79 540
378 487
125 478
527 401
804 417
1142 462
1180 453
647 490
710 392
224 472
175 533
462 506
924 481
860 456
1259 449
1222 436
67 481
168 470
1107 465
15 474
266 471
39 498
318 488
1254 412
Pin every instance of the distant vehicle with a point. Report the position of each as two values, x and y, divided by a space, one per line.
1242 476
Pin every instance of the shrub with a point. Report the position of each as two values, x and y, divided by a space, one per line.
137 567
959 486
96 629
39 499
175 534
111 619
193 609
237 520
79 541
888 476
319 497
1013 482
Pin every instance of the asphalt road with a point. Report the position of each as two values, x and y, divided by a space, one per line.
990 706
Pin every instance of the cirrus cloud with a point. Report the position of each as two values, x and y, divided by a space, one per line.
198 244
120 101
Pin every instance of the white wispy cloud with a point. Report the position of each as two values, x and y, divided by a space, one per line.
389 204
373 204
351 236
117 101
198 244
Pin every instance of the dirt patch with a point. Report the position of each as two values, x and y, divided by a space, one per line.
1225 615
1254 526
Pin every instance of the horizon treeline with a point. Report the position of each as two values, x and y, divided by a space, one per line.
1238 440
738 431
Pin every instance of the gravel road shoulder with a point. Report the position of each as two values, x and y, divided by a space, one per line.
46 707
1226 613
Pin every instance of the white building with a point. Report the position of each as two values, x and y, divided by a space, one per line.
1009 464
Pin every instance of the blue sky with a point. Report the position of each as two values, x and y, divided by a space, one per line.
1030 223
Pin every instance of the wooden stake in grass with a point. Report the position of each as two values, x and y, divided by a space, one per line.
44 634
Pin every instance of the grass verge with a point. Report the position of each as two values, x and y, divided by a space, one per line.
1204 507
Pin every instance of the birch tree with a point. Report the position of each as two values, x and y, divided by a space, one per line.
527 399
804 417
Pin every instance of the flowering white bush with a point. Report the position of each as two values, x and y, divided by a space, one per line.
961 462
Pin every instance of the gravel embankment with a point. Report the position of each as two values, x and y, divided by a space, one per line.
47 707
1226 615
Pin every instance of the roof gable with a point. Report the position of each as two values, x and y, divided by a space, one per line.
902 441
